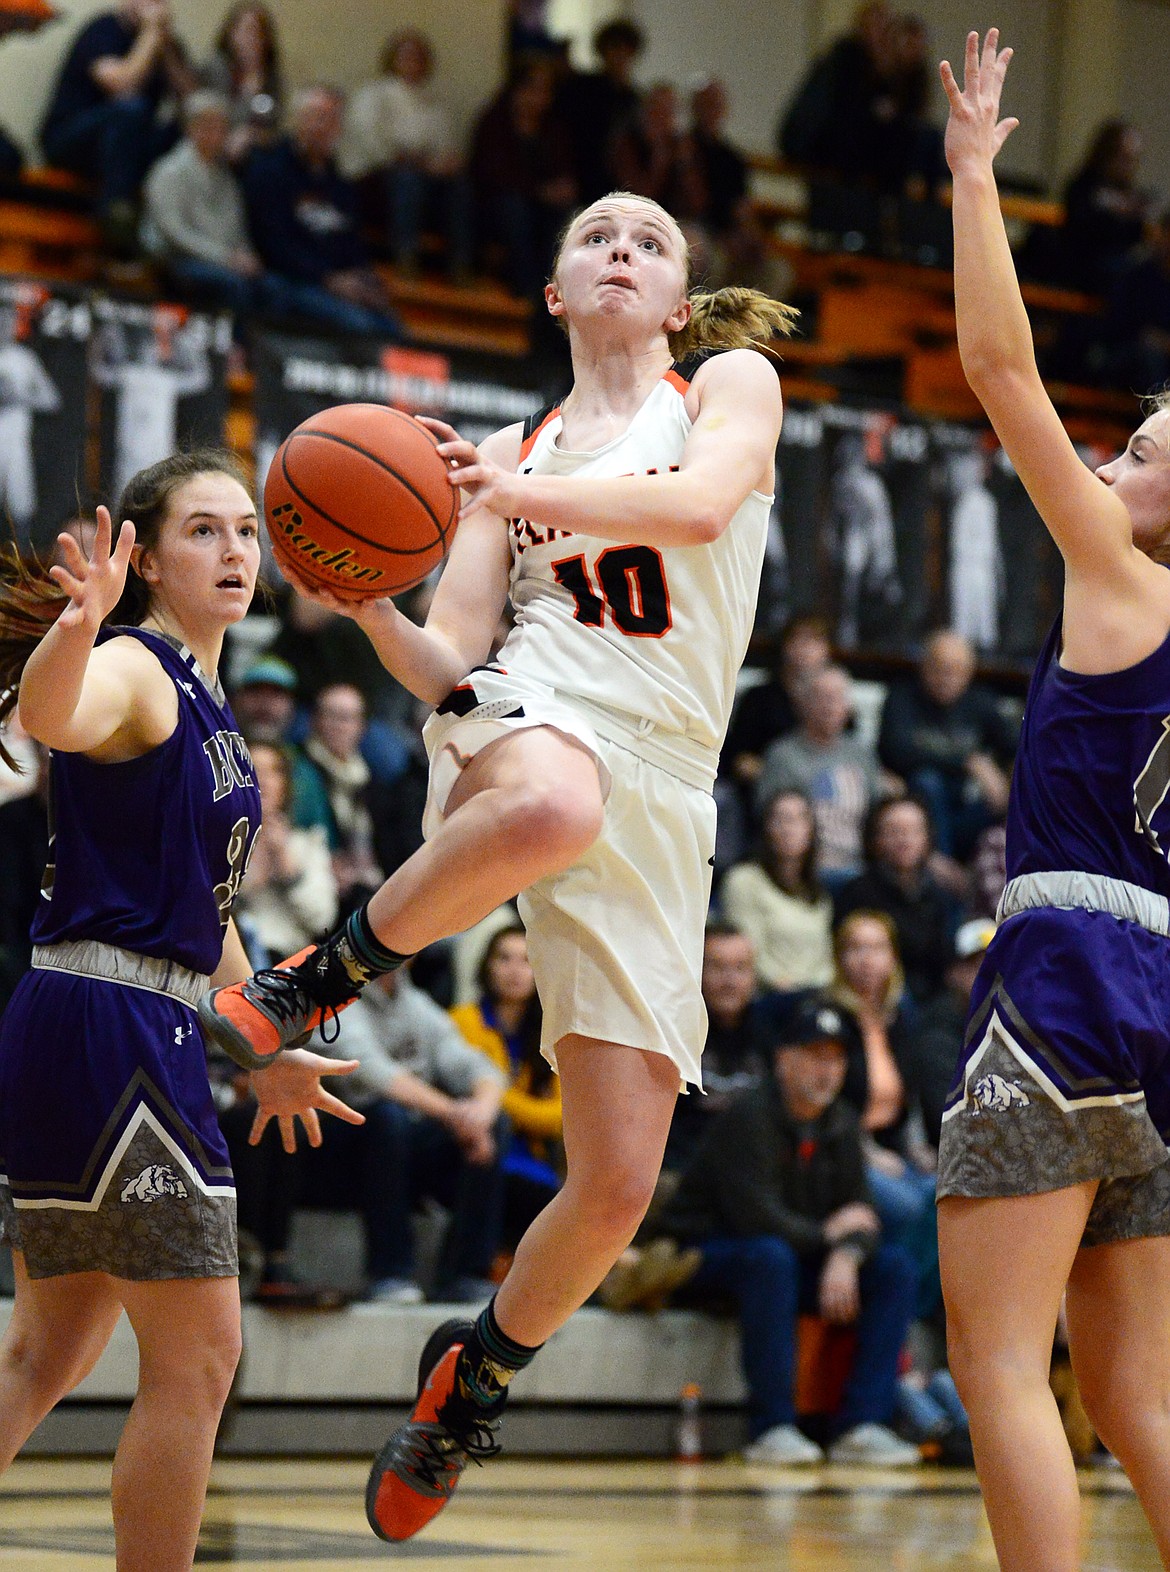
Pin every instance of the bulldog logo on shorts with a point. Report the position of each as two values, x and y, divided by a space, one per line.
153 1183
997 1095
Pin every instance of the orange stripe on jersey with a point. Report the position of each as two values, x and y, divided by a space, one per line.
529 442
679 384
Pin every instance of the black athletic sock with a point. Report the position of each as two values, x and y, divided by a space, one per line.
488 1362
348 959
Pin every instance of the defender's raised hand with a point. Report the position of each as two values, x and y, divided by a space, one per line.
95 586
975 133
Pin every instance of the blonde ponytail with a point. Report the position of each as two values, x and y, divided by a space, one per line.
731 318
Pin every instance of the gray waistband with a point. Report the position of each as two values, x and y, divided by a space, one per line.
1093 892
89 958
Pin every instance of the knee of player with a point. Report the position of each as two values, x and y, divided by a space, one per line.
37 1365
562 819
617 1201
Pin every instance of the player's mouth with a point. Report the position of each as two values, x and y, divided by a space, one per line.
622 280
232 581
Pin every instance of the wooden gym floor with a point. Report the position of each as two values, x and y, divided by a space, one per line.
521 1516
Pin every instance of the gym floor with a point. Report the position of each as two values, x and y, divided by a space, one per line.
514 1516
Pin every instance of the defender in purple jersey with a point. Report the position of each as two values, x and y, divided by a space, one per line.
1053 1171
115 1186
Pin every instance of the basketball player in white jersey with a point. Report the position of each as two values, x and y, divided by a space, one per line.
628 525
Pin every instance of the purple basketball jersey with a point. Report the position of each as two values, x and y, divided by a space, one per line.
148 854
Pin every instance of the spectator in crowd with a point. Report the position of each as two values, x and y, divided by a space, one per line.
245 67
768 710
24 853
776 1200
911 157
897 880
837 772
303 218
522 175
869 985
194 221
1134 347
288 894
832 122
105 120
19 16
738 249
948 739
650 156
433 1130
987 872
331 785
932 1049
720 169
594 104
504 1024
1105 209
733 1059
264 701
400 138
776 899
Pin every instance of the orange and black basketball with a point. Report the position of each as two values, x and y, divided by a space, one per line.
357 500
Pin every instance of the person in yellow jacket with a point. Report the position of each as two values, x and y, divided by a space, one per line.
504 1024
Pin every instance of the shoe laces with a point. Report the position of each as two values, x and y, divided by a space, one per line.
288 994
436 1451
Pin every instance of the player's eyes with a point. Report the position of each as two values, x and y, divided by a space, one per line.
652 244
597 234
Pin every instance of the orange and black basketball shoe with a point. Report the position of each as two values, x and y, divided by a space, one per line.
273 1009
415 1473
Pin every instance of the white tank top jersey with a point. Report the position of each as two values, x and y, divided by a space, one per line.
657 633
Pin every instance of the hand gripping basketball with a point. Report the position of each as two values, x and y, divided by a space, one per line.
358 502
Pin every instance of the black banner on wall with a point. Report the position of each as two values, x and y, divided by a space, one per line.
161 374
43 337
889 525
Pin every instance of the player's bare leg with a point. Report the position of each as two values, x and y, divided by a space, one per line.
1119 1333
617 1104
188 1333
526 806
529 804
1005 1263
59 1327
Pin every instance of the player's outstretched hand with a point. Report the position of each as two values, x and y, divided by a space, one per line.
975 133
485 484
95 586
290 1088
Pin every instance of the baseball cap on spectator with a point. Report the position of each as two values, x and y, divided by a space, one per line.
973 938
812 1019
269 671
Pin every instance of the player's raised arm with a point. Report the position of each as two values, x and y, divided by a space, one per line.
73 697
1091 528
729 453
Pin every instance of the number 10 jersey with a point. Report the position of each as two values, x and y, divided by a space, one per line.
658 632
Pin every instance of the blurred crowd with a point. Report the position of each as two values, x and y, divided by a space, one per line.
276 201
